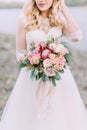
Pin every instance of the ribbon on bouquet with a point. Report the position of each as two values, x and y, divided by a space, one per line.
44 95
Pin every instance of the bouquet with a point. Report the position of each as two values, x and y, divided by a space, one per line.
46 60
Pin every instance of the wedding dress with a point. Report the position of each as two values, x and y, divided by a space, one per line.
30 108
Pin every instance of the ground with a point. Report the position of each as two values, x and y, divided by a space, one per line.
9 69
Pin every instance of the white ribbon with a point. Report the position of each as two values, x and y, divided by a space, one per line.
44 94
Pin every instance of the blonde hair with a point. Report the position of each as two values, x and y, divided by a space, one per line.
33 15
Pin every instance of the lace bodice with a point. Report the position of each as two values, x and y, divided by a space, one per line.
38 35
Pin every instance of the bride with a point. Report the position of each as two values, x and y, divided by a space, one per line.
29 106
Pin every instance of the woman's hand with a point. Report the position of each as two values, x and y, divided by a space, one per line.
62 5
71 28
62 2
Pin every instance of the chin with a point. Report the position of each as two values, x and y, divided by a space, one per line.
43 9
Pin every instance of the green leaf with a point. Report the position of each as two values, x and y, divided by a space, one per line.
37 77
36 71
61 71
32 76
62 35
40 74
49 41
22 65
68 57
53 81
65 44
26 62
33 44
65 67
52 39
44 77
57 76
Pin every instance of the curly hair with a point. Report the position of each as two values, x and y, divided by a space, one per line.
34 18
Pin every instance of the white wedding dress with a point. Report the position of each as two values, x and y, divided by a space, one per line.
62 109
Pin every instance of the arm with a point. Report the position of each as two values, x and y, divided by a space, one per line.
20 38
71 28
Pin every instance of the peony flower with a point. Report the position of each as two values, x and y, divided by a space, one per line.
47 63
34 58
60 63
54 61
58 66
52 56
49 72
61 49
65 51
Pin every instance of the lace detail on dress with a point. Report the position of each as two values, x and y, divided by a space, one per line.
75 36
19 54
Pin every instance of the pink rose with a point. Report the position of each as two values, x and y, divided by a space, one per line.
61 59
61 49
47 63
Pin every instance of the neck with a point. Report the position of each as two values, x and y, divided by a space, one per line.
44 14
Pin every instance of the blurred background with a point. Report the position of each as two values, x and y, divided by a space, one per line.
9 71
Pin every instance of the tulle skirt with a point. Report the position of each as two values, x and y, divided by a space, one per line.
62 109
